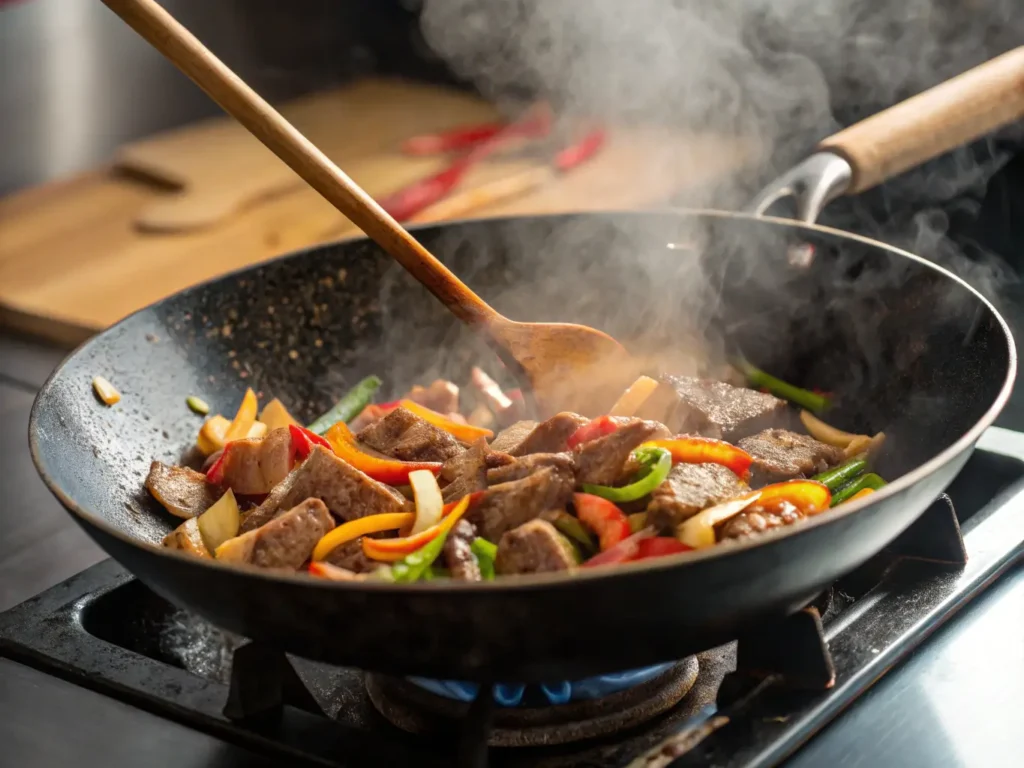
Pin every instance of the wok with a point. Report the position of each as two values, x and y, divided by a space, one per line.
906 346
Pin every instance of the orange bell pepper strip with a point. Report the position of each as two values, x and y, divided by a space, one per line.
861 494
244 419
467 433
706 450
389 471
808 496
353 529
393 550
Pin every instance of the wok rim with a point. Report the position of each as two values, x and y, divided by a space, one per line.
530 582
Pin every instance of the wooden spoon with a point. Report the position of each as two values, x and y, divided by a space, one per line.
567 366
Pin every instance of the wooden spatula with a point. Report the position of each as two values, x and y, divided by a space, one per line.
567 366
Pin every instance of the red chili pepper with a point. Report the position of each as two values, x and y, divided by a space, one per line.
659 546
448 141
706 450
303 441
623 552
599 427
586 148
603 518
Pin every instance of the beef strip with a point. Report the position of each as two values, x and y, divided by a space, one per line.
182 491
687 490
602 461
716 409
350 557
457 553
285 542
346 491
756 520
527 465
512 436
254 466
551 436
467 472
405 436
534 547
441 396
506 506
783 455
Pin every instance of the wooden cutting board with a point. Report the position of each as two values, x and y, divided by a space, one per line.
73 259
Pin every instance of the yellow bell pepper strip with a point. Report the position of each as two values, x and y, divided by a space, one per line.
861 494
388 471
244 419
303 442
655 465
276 416
838 477
467 433
599 427
486 553
602 517
705 450
410 567
804 398
353 529
349 406
629 402
847 492
623 552
392 550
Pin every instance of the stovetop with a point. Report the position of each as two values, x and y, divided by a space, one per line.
753 703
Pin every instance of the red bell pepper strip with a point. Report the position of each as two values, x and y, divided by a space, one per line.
623 552
659 546
603 518
706 450
304 440
448 141
599 427
579 153
389 471
215 474
808 496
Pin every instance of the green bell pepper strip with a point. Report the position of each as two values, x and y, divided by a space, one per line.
485 553
350 406
836 478
656 461
758 379
575 531
870 480
414 565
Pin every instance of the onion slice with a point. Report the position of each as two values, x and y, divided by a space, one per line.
699 530
634 397
826 433
220 522
429 504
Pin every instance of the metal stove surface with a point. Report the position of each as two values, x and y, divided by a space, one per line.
103 630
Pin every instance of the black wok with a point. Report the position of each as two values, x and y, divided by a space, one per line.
906 346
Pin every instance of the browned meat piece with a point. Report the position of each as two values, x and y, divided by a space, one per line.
510 438
457 555
467 472
405 436
716 409
688 489
346 491
551 436
350 557
759 519
783 455
441 396
252 467
527 465
182 491
602 461
506 506
287 541
534 547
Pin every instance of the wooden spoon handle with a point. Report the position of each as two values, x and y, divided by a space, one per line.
175 42
934 122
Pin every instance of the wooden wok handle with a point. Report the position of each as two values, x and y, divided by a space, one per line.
175 42
932 123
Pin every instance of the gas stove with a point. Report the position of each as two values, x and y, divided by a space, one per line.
754 702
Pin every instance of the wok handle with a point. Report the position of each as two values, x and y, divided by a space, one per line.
931 123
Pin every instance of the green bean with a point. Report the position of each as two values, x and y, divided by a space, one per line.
804 398
870 480
350 406
838 477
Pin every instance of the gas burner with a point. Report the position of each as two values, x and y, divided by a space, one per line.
415 709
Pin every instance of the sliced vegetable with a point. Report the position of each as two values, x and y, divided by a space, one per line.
637 521
388 471
804 398
427 495
705 450
699 530
215 474
276 416
105 391
623 552
198 405
655 464
497 401
213 433
603 518
412 566
861 494
353 529
808 496
826 433
486 553
187 538
304 440
244 419
836 478
869 481
332 572
573 530
349 406
220 522
660 546
634 397
391 550
467 433
599 427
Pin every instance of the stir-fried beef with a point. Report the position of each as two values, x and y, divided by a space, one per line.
534 547
759 519
285 542
405 436
602 461
458 556
467 472
716 409
527 465
182 491
350 557
687 490
346 491
512 436
441 396
551 436
782 455
506 506
253 467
